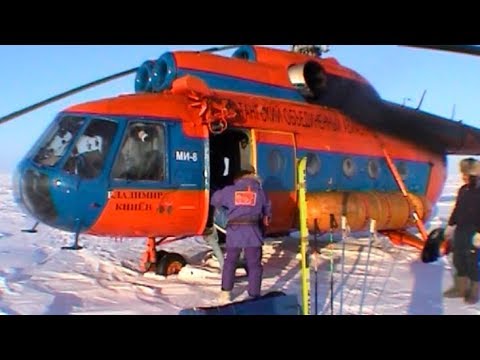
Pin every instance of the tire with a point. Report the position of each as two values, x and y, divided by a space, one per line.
170 264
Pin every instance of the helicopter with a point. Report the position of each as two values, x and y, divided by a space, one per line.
144 165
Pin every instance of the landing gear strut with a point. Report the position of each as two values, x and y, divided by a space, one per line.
161 262
75 245
33 230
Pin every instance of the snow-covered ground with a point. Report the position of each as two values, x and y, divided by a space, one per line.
36 277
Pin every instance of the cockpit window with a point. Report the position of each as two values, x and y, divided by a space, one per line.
91 148
142 156
57 143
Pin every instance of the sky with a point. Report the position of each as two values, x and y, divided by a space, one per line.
31 73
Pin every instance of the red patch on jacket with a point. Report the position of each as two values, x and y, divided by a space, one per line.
245 198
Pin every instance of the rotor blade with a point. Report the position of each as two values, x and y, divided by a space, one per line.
461 49
65 94
90 85
220 48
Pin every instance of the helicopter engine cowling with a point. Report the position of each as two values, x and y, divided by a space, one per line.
164 72
144 77
246 52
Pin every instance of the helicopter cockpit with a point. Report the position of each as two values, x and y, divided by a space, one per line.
86 147
80 154
142 154
57 143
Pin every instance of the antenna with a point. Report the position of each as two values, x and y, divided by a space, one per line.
405 99
453 111
421 100
324 49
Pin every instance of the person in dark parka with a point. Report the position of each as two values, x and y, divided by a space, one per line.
464 224
465 166
248 208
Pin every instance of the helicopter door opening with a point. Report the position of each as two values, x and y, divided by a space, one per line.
229 153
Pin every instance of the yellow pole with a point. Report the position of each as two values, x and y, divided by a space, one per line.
302 206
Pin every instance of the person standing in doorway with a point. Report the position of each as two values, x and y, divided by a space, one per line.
248 208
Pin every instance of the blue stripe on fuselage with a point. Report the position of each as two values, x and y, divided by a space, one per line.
331 177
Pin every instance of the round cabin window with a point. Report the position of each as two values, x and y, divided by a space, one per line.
313 164
373 169
275 161
348 167
402 169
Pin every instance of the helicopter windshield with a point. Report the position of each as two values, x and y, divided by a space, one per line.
59 139
88 155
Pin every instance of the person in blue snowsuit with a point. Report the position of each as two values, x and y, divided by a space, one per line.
248 209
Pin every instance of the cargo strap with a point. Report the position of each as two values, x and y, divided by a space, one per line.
401 185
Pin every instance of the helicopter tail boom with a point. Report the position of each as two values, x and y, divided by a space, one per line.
440 134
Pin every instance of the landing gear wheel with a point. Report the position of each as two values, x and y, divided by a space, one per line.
161 254
434 246
149 266
170 264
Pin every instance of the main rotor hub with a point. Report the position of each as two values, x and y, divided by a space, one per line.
311 50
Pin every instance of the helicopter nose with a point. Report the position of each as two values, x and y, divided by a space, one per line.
32 192
38 192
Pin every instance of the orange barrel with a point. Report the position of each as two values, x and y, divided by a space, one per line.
390 210
398 208
377 208
321 205
401 210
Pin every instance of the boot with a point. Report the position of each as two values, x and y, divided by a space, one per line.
459 288
472 294
225 297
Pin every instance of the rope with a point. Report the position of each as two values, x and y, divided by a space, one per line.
403 189
214 112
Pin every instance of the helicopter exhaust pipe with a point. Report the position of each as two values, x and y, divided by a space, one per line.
309 78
